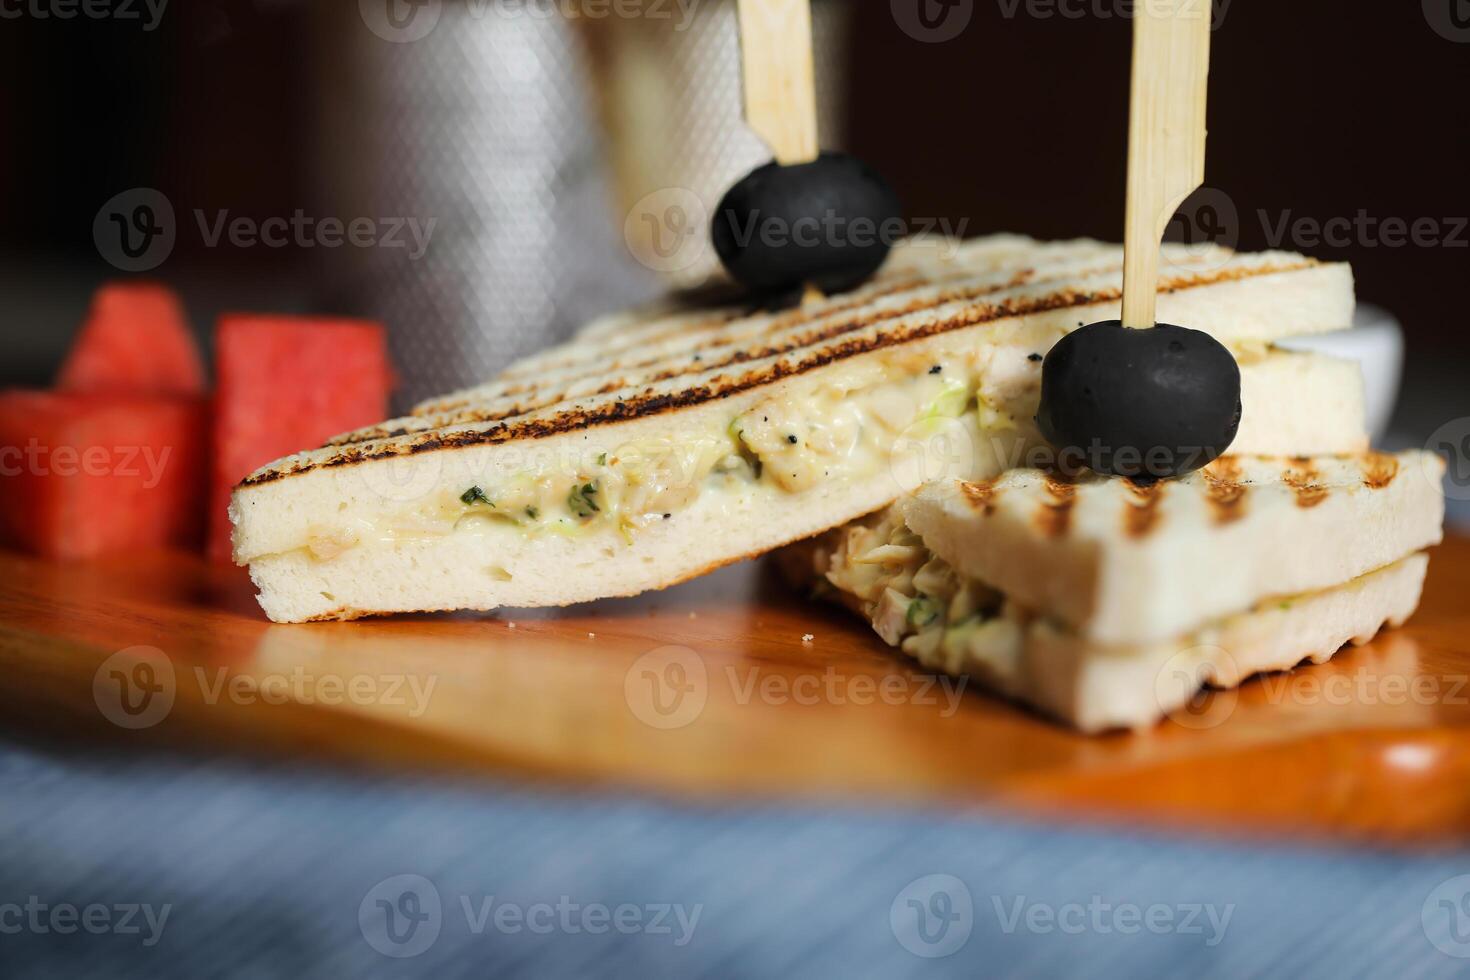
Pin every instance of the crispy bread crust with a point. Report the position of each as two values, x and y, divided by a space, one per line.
381 443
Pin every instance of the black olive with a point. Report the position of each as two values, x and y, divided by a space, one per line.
829 223
1146 404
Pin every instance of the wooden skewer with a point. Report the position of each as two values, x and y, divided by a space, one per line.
776 63
1166 138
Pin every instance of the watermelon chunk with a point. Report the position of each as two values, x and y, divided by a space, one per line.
84 475
284 384
135 340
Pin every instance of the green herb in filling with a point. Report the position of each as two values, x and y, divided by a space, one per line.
580 501
949 403
602 460
922 611
474 495
532 513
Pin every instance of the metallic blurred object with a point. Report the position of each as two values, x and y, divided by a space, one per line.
567 152
474 116
670 97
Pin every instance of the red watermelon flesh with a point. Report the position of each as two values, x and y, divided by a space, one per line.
284 384
135 340
85 475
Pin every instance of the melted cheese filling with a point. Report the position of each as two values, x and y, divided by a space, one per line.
845 428
945 620
913 415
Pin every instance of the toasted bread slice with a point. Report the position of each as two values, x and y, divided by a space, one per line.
1117 562
661 444
916 581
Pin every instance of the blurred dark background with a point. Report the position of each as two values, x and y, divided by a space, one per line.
1318 110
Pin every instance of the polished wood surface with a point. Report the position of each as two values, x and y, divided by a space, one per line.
731 687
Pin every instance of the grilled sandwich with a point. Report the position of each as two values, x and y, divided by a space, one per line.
1108 604
660 444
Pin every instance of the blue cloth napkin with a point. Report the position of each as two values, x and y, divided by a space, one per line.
169 866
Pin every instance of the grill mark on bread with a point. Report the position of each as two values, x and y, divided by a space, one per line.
677 326
1054 514
520 378
1379 470
694 355
358 447
1141 515
813 338
981 496
461 412
641 406
1302 477
781 320
1225 490
1225 469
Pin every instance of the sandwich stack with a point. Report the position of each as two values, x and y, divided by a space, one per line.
1109 600
663 443
1107 603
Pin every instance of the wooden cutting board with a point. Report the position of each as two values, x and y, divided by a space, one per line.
731 687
